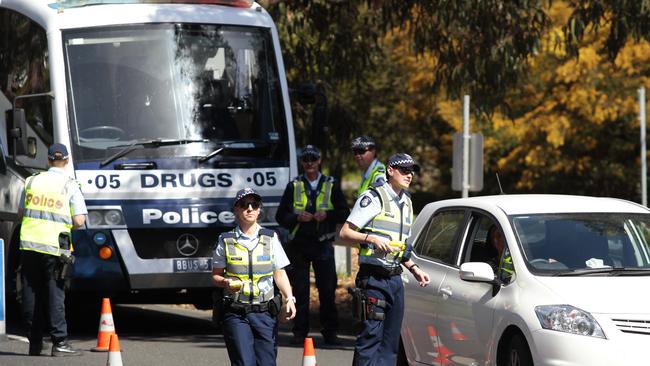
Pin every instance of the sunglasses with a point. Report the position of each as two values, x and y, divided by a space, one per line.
309 159
254 204
405 171
359 151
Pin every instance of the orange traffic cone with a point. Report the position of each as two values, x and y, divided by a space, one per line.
308 354
456 334
106 327
114 354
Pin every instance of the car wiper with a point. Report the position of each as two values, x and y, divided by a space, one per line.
235 145
140 144
612 271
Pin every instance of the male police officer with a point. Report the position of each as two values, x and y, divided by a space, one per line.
365 155
381 221
310 208
52 204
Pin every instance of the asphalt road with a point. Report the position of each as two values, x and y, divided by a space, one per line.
164 335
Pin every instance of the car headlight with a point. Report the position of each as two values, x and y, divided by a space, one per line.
569 319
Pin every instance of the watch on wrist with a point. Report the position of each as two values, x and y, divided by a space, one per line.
292 299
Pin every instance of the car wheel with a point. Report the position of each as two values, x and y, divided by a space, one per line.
401 355
517 353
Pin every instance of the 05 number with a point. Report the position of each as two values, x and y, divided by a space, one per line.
113 181
261 179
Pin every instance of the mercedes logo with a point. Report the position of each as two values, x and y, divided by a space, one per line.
187 244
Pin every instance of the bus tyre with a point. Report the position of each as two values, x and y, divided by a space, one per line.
517 353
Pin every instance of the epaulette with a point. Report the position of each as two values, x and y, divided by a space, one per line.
373 192
229 235
267 232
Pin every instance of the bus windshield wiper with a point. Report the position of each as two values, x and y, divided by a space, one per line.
155 143
234 145
612 271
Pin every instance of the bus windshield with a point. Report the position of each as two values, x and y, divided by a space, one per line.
210 84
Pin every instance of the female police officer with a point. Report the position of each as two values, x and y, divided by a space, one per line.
246 263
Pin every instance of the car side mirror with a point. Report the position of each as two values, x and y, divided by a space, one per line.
476 272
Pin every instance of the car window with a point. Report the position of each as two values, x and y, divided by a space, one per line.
439 241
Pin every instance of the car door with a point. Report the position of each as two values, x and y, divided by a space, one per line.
466 311
434 250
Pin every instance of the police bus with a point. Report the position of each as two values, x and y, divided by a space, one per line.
168 107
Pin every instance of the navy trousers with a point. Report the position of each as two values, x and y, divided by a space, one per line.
378 342
325 275
43 297
251 339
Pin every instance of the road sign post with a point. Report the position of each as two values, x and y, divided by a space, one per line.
475 162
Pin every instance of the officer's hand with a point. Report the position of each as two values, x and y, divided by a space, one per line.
305 217
231 285
320 216
421 276
291 310
382 244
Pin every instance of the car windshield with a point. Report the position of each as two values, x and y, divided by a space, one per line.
561 244
200 85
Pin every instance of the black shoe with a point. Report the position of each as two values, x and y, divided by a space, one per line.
332 340
35 348
64 349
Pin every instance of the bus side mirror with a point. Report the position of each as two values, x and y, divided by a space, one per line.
18 131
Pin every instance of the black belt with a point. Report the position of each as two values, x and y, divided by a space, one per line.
243 308
379 271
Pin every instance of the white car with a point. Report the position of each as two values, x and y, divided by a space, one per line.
572 286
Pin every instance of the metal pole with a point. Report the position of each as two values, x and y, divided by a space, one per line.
466 141
644 174
3 321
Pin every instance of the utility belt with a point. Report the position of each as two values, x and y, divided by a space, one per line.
65 260
366 270
273 306
363 306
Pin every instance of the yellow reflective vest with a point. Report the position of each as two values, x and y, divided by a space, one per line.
300 200
47 212
393 222
250 266
377 170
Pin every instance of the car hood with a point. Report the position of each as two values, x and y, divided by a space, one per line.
600 294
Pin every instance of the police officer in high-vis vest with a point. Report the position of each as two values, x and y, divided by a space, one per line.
247 262
379 223
52 205
365 155
311 207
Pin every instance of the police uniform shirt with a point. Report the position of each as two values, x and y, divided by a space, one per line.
77 203
280 259
379 178
314 183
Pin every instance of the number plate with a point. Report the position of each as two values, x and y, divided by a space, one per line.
192 265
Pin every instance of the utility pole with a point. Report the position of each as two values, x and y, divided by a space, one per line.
466 141
644 183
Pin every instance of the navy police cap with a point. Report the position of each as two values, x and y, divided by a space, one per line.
310 150
57 151
403 160
362 143
246 192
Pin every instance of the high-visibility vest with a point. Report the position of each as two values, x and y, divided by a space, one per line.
300 200
393 223
250 266
47 212
377 170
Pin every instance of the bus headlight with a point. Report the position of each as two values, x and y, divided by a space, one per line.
569 319
105 217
